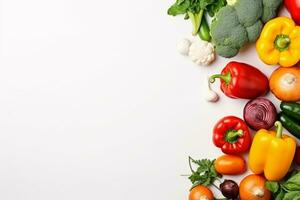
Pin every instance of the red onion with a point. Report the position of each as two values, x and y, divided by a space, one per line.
230 189
260 113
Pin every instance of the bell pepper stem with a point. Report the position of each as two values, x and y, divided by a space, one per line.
282 42
233 135
279 127
226 78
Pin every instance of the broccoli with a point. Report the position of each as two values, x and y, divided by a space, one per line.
254 30
248 12
270 9
240 22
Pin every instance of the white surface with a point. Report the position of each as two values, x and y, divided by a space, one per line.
96 103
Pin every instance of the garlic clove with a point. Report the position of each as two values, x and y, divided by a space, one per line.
210 96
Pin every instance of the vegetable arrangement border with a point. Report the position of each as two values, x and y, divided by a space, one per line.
272 153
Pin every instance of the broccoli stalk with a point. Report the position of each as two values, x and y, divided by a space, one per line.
196 19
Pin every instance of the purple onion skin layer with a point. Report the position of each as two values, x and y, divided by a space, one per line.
260 113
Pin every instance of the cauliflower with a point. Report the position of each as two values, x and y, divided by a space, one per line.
183 46
240 22
202 52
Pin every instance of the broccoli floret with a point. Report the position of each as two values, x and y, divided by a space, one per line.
254 31
227 32
248 11
275 4
226 51
239 22
270 9
226 19
237 37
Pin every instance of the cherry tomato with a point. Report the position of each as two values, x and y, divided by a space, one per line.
230 165
252 187
201 192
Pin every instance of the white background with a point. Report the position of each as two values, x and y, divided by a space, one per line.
96 103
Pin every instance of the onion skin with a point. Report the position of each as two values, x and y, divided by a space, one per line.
230 189
285 83
260 113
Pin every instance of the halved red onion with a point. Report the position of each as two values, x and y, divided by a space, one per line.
260 113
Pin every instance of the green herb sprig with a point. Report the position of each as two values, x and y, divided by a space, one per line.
205 174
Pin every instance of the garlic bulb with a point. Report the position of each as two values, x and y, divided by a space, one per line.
210 96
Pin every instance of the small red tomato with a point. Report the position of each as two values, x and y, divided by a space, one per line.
297 156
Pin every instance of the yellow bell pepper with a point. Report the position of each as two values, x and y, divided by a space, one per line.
272 153
279 42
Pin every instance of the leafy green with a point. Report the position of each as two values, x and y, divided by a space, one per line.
195 6
295 195
293 183
272 186
280 195
179 8
213 8
288 189
195 10
205 174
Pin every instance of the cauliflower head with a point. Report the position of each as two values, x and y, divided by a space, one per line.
202 52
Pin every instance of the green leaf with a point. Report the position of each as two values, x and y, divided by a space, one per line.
292 196
179 2
272 186
179 8
215 7
205 174
194 177
205 3
280 195
293 183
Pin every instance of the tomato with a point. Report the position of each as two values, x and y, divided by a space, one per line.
230 165
297 156
201 192
252 187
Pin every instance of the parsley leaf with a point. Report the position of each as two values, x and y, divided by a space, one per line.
205 174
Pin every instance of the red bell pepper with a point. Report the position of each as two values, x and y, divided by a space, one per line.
293 7
232 135
240 80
